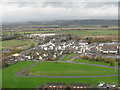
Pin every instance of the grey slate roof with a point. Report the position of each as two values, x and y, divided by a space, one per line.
56 84
80 85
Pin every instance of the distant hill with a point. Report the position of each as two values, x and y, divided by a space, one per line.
68 22
76 22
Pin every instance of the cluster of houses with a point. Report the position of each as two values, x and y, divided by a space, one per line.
55 49
63 86
76 86
111 48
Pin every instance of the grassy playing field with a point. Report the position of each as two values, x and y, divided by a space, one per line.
88 61
68 57
10 80
13 43
68 69
0 77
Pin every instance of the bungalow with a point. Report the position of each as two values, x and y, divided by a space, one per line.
111 48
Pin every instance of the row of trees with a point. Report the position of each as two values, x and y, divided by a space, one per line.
10 37
97 39
93 39
12 52
111 61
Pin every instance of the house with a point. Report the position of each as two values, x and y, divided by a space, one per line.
55 86
40 87
6 50
93 50
40 57
78 86
109 48
105 85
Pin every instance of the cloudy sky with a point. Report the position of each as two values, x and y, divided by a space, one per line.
17 11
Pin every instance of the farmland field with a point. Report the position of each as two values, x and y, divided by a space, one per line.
10 80
76 32
90 32
13 43
22 32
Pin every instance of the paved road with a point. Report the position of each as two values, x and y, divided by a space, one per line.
62 57
20 73
74 58
71 76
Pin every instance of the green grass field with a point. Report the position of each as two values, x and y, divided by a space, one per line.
68 57
90 32
75 32
0 77
88 61
10 80
68 69
13 43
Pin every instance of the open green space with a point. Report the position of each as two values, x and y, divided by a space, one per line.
74 32
90 32
13 43
69 57
68 69
0 77
10 80
80 60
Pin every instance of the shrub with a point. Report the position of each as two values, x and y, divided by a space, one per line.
99 58
85 57
112 62
106 60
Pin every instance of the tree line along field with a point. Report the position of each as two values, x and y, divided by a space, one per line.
10 80
25 32
70 57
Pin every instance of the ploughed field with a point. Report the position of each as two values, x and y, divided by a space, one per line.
68 69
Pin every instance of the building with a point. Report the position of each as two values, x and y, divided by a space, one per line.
55 86
74 86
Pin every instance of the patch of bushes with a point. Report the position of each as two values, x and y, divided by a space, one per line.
111 61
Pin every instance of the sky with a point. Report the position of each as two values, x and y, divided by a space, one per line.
47 10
